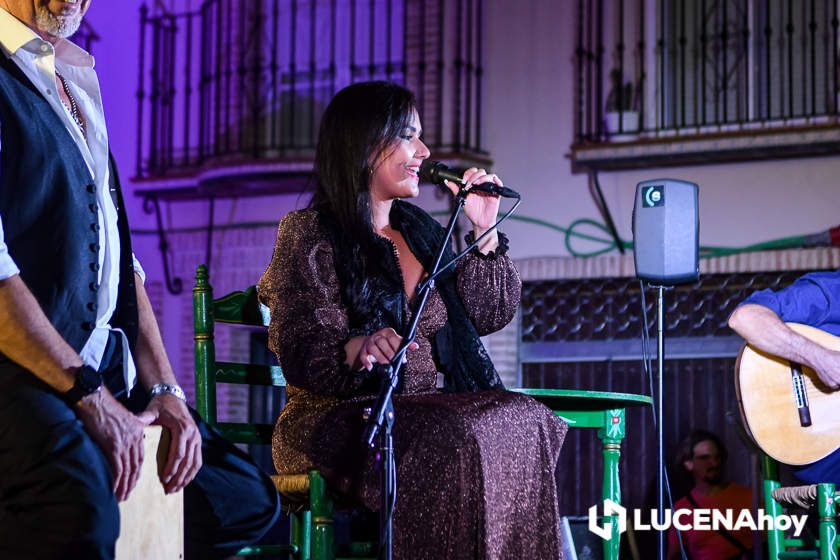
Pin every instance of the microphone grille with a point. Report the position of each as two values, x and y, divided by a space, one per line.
429 171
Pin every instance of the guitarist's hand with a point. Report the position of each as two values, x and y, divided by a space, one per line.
826 364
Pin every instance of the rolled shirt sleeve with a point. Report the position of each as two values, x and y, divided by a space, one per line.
138 268
8 268
813 299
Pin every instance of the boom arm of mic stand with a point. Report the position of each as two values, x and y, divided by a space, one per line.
459 256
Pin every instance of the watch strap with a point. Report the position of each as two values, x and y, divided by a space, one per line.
88 381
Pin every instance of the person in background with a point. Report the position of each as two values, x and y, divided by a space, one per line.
702 456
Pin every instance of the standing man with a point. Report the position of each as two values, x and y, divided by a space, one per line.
82 365
703 456
814 300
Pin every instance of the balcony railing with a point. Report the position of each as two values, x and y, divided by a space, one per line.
245 81
665 70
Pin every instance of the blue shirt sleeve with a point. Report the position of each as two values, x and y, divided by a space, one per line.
813 299
8 268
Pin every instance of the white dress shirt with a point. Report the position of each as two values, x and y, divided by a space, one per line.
40 61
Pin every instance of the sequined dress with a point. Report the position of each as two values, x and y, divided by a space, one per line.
476 470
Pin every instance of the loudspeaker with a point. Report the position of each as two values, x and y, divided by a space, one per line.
666 232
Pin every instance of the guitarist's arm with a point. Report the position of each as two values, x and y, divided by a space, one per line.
762 328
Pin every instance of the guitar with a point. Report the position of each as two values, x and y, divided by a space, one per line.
789 413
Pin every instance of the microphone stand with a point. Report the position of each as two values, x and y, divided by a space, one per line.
381 420
662 482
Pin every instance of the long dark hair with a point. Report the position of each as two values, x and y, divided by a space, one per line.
361 122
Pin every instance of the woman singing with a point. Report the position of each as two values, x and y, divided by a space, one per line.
475 463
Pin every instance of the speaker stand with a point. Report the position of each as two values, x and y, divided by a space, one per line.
660 448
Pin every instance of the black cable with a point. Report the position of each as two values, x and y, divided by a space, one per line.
605 210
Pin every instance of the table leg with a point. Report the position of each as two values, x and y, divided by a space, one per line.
611 433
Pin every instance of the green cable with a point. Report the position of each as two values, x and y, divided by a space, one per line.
569 233
773 244
706 252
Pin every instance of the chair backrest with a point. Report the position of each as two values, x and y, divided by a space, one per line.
825 498
239 308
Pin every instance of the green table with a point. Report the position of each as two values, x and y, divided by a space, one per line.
602 410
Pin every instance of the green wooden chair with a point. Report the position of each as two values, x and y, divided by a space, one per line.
822 498
304 496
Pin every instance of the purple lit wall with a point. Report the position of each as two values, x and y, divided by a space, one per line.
529 80
117 23
528 129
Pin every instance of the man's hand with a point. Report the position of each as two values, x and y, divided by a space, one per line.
184 457
119 434
826 364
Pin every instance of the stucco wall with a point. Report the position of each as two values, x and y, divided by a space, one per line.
528 95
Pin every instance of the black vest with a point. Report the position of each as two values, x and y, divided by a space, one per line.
49 212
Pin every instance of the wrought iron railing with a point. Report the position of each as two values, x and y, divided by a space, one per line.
247 80
672 67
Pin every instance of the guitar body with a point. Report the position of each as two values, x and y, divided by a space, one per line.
766 399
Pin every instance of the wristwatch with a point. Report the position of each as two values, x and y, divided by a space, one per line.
88 381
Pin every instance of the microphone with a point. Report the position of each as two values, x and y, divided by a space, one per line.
436 172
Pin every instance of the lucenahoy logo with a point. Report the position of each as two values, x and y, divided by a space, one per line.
687 519
610 508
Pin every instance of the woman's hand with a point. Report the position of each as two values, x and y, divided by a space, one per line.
480 208
378 348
